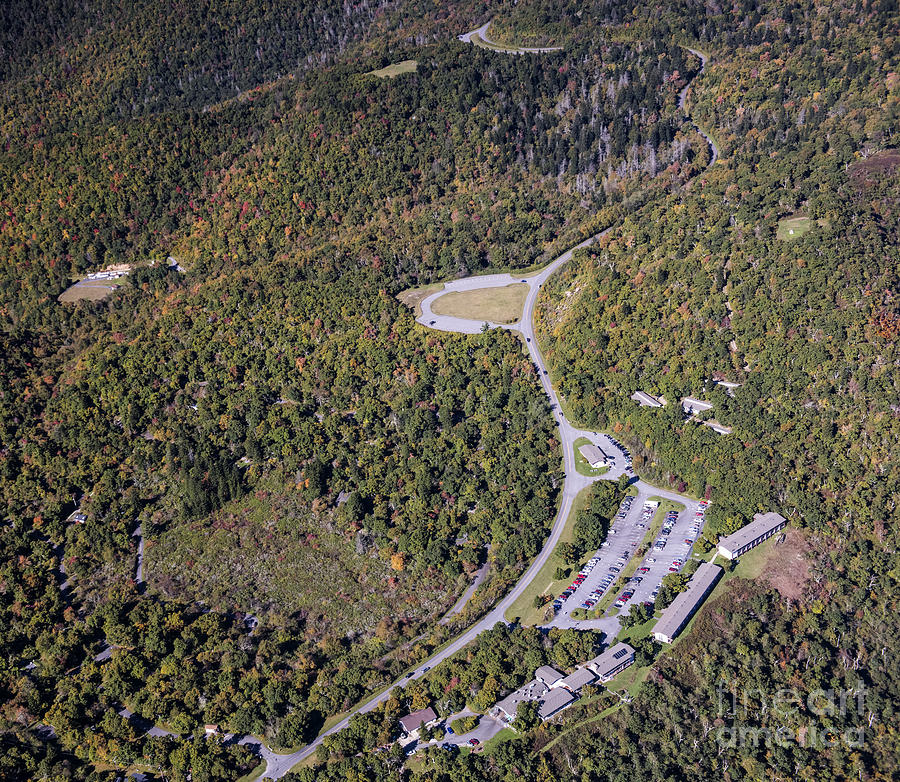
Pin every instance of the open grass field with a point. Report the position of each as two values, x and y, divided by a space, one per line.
413 297
498 305
507 734
255 554
638 632
90 290
793 227
544 582
395 70
581 464
254 774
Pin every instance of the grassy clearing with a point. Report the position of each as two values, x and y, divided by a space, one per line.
498 305
254 774
793 227
602 715
582 465
544 582
413 297
629 680
90 290
638 632
310 761
507 734
750 566
395 70
254 553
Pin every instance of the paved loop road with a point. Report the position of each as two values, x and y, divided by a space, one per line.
278 765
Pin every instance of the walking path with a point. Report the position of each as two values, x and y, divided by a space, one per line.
682 96
466 596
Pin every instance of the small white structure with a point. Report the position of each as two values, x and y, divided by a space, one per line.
645 400
728 386
578 679
547 675
613 661
594 456
693 406
717 427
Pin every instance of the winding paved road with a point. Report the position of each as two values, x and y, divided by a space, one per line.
682 96
481 33
278 765
139 574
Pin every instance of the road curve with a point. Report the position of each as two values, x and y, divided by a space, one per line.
481 32
682 96
278 765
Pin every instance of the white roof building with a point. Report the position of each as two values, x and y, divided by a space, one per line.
682 608
763 526
594 456
613 661
645 400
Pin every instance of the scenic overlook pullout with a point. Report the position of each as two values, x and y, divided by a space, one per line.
424 391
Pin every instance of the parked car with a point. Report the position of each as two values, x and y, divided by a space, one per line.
474 742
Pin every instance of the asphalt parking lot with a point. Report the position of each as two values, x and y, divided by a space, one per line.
624 537
675 550
631 523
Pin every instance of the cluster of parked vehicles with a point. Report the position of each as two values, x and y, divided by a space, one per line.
598 591
668 523
625 453
579 580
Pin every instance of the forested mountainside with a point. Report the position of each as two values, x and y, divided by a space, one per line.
298 452
291 445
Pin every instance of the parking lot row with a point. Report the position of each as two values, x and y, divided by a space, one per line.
668 554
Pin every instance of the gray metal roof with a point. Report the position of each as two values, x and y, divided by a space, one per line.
762 523
547 674
643 398
555 700
532 691
576 680
592 453
676 616
612 658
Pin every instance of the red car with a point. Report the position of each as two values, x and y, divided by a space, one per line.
474 742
